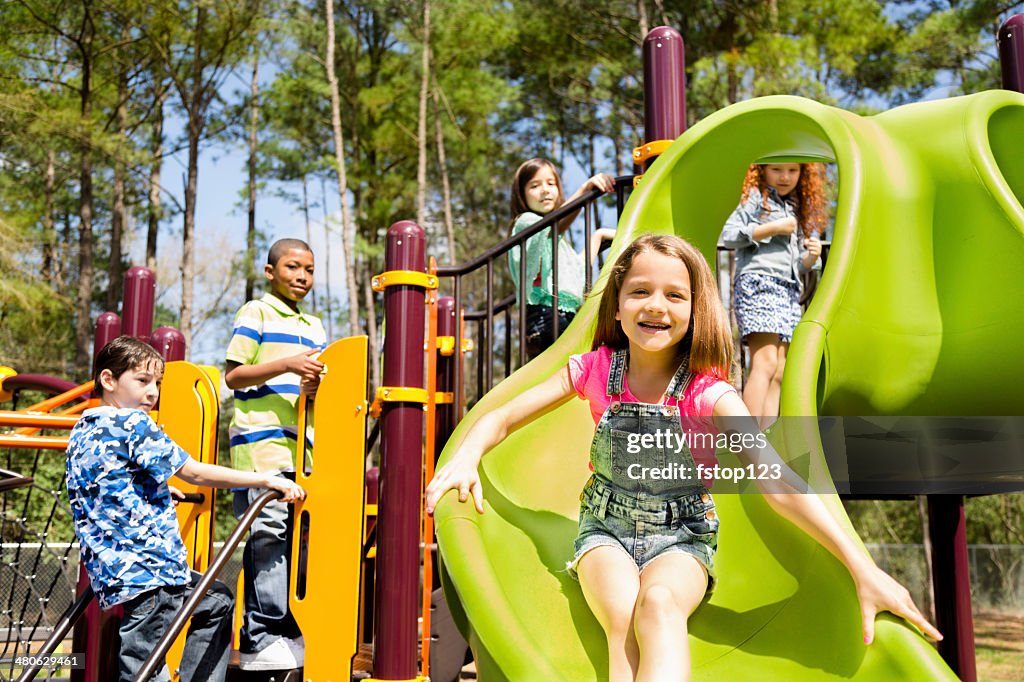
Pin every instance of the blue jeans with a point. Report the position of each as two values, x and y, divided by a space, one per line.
265 562
147 617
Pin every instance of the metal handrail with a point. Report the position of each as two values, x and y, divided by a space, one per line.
486 260
10 480
60 631
156 657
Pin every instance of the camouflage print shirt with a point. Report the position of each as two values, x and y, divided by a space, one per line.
117 469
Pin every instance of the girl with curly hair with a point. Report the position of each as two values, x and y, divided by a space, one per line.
775 232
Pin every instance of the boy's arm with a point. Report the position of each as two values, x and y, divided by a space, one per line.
239 375
212 475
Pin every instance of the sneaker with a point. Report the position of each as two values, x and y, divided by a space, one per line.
281 654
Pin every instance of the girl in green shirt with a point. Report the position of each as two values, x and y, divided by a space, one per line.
537 191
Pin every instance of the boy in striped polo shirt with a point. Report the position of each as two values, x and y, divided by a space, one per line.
271 359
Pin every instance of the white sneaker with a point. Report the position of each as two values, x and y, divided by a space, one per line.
281 654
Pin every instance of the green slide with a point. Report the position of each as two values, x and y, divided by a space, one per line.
917 313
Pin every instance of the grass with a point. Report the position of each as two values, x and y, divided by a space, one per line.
999 646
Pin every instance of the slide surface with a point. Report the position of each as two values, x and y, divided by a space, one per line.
917 313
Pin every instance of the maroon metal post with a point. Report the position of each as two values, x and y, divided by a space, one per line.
950 578
108 328
398 518
94 637
169 342
664 85
444 413
137 309
1010 39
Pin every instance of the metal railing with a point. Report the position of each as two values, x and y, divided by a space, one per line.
156 657
485 317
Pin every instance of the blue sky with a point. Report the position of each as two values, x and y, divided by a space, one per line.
221 222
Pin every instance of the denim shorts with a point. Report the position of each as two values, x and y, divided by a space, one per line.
646 527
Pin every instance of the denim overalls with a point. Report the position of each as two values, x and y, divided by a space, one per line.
645 495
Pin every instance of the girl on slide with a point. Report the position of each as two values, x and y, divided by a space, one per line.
644 553
775 233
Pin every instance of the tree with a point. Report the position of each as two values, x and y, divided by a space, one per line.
198 49
348 249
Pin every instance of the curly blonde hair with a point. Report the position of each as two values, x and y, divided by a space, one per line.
809 195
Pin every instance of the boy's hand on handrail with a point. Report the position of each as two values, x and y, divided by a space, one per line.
176 494
291 490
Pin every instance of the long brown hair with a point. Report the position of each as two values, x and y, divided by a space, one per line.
709 338
809 195
523 175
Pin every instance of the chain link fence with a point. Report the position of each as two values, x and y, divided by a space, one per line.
997 573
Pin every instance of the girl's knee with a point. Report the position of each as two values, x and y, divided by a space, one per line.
657 604
617 627
765 365
778 371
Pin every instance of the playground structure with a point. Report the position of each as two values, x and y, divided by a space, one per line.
916 174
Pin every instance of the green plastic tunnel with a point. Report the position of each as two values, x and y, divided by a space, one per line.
917 313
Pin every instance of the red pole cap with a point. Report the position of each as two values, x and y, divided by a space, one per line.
139 294
664 84
1010 39
108 328
169 342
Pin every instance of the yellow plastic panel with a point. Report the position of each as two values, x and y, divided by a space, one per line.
328 613
189 409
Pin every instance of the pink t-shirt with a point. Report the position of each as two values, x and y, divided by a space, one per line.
589 375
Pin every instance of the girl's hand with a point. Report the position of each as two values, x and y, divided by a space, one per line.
458 474
785 226
877 591
601 181
813 246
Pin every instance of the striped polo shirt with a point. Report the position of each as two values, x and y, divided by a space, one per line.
263 429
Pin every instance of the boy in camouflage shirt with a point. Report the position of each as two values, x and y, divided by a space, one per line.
118 465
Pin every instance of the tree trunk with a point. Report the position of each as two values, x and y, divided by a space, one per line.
442 164
309 232
83 322
659 7
156 160
196 123
250 234
421 135
641 11
327 259
50 261
922 515
118 217
371 324
339 159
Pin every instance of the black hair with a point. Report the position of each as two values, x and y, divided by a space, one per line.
281 246
122 354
